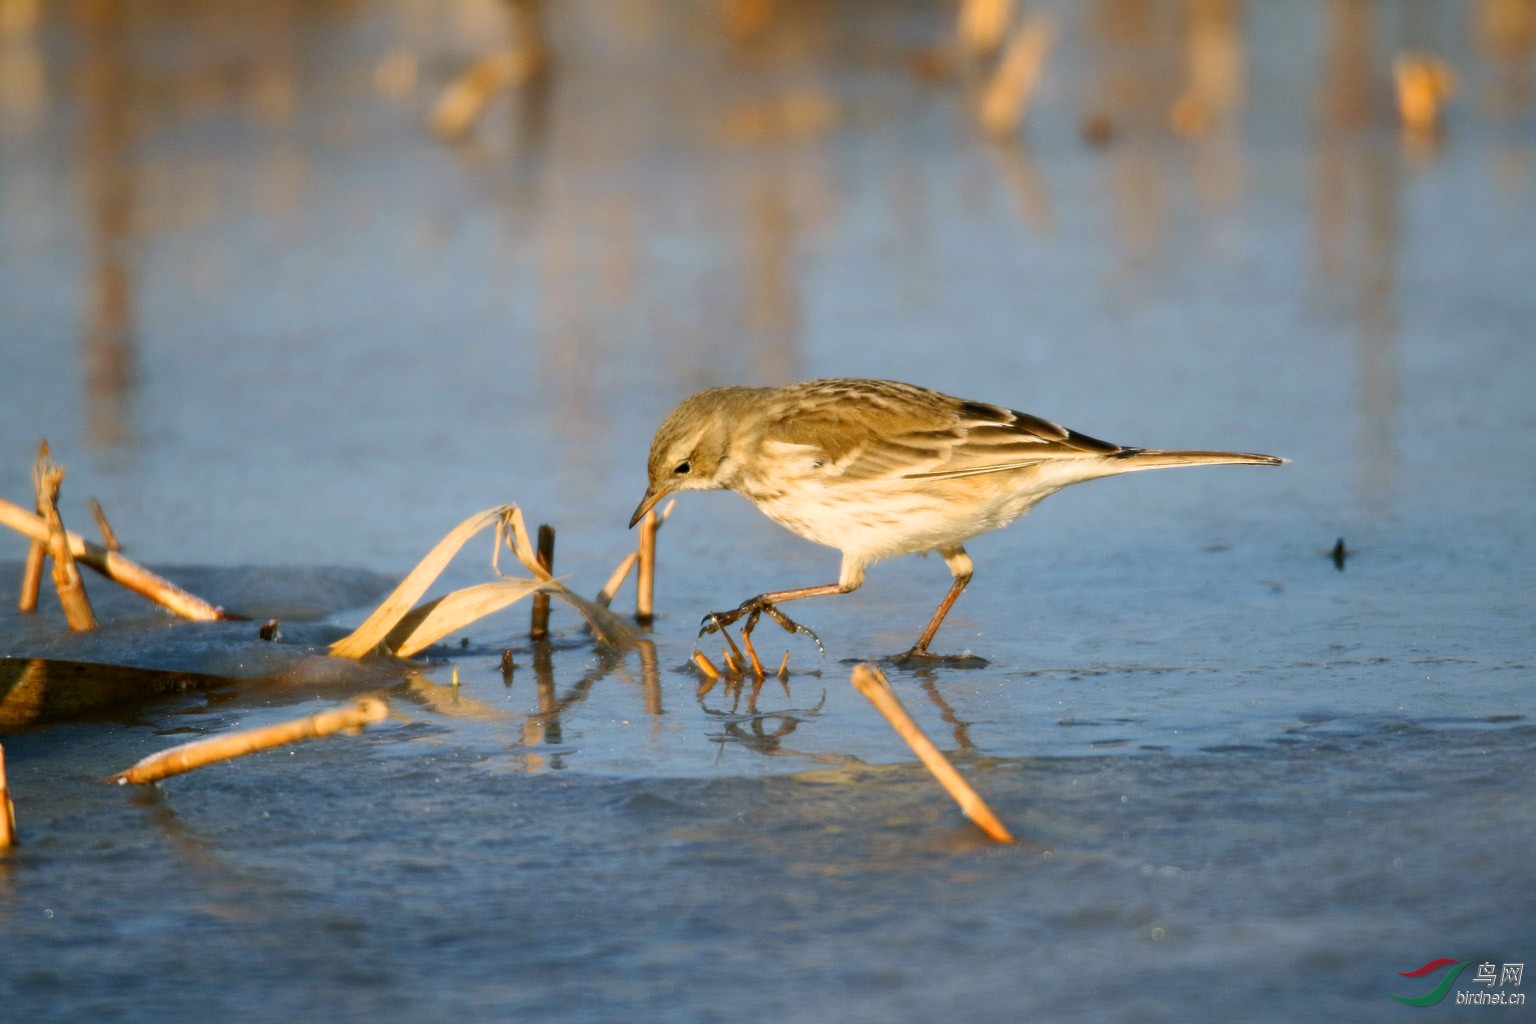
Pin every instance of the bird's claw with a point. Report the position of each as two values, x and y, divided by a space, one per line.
752 610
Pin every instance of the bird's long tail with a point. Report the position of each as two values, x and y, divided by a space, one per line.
1129 459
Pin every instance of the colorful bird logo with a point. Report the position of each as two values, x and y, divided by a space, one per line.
1437 993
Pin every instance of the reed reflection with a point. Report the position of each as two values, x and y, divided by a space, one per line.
545 726
960 730
1356 225
1505 31
107 344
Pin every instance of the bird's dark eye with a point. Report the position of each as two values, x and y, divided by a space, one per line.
683 467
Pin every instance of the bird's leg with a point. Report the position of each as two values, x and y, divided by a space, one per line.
764 604
960 564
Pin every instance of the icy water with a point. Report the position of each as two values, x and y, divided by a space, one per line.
271 322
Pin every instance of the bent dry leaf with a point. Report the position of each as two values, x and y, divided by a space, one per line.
404 629
430 622
367 637
607 627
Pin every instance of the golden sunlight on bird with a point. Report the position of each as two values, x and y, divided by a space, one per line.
877 468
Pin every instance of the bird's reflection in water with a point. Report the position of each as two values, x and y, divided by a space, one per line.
929 680
750 727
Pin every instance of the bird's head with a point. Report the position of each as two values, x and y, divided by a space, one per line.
691 450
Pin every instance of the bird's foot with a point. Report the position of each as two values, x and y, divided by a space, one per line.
752 610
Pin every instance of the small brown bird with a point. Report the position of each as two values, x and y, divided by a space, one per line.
876 468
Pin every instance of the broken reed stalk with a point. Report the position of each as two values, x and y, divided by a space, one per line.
871 682
606 626
47 476
184 758
7 810
621 573
32 576
115 567
467 96
37 555
980 25
645 582
605 596
1007 96
538 628
1424 83
108 535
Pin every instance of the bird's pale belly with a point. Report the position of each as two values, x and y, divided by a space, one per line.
872 523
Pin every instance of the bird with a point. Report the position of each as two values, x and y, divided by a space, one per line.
878 468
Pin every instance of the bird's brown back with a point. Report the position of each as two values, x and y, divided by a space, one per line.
868 429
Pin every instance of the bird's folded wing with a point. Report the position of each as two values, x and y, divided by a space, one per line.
929 440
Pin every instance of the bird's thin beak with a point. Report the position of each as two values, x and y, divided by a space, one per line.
646 504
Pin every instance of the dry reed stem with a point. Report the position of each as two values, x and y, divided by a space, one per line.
605 625
467 96
108 535
621 572
871 682
1007 96
705 665
783 672
980 25
184 758
645 581
1424 83
7 810
47 476
37 557
32 577
115 567
538 625
616 580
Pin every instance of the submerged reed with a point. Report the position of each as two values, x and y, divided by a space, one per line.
199 753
